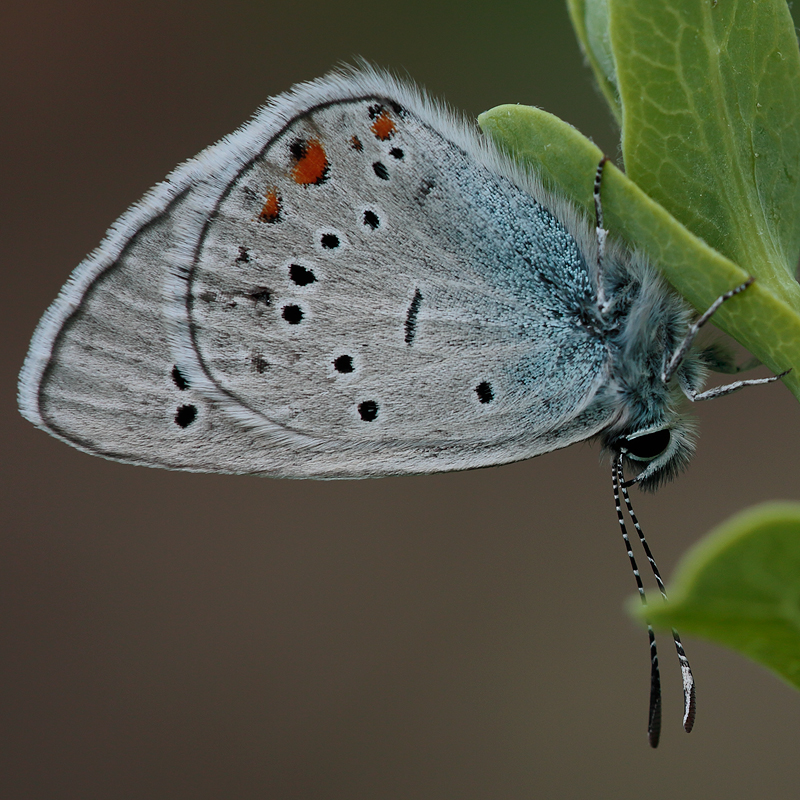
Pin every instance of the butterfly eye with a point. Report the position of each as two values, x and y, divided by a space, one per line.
648 446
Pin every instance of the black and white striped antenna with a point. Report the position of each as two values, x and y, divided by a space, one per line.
689 697
620 485
654 713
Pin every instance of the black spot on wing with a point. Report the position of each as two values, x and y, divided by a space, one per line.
411 317
368 410
371 219
292 314
379 168
330 241
185 415
301 275
484 392
343 364
178 379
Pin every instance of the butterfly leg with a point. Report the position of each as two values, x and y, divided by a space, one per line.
721 391
602 235
683 348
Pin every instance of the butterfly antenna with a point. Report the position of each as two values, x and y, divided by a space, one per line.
602 235
654 714
689 699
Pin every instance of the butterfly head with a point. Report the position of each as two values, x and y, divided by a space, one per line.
651 432
655 453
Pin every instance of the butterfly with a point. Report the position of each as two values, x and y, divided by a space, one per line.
356 283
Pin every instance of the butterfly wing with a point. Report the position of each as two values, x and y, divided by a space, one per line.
352 284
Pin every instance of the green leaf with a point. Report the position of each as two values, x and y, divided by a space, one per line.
740 587
566 161
590 21
711 122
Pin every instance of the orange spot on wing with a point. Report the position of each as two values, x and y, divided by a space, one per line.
271 211
311 165
355 143
384 126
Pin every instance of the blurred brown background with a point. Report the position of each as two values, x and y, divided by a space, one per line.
175 636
